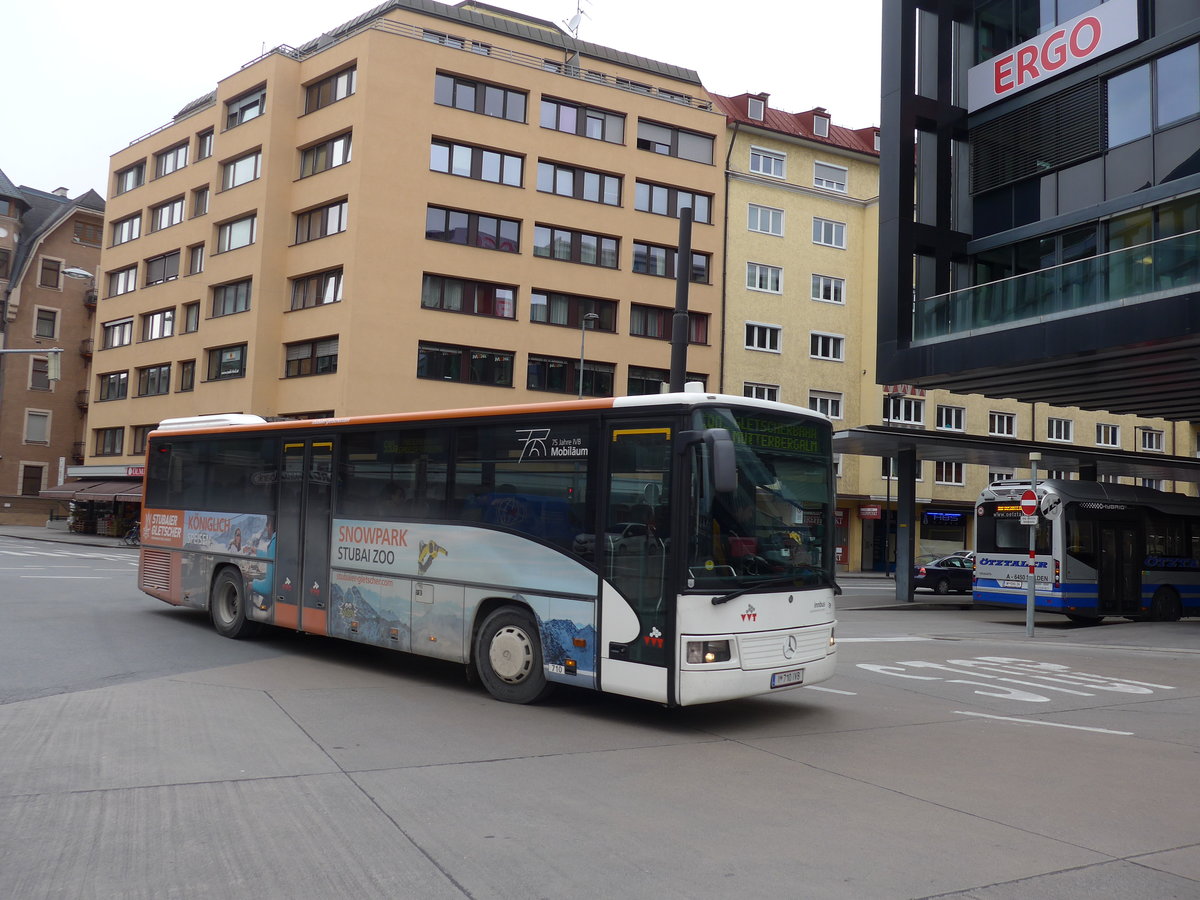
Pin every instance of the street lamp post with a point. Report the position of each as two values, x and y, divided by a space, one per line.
583 324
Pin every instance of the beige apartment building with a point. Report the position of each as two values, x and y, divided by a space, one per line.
800 327
49 253
428 207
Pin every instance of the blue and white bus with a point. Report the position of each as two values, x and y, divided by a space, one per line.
674 547
1101 550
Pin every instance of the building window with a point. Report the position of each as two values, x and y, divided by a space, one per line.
768 162
39 373
1060 429
88 233
110 441
5 260
1171 80
468 365
561 376
663 200
651 259
191 317
46 323
569 310
477 298
311 358
154 380
948 473
50 274
336 87
761 391
821 126
166 215
584 121
828 289
114 386
37 426
195 259
480 163
227 362
116 334
479 97
1156 484
122 281
582 184
763 337
157 325
231 298
765 220
317 289
826 346
472 229
655 322
242 170
671 141
903 411
1002 424
1108 435
831 178
829 234
826 402
238 233
140 433
32 479
1152 440
200 201
170 160
575 246
951 418
996 475
187 375
249 105
321 222
756 109
162 268
204 145
127 229
760 277
130 177
326 155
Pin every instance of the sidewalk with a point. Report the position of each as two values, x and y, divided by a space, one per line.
41 533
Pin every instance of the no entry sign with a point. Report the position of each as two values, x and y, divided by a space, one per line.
1029 503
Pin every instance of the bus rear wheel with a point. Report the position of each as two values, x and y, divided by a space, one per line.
508 656
227 607
1165 606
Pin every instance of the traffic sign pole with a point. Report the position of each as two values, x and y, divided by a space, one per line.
1029 507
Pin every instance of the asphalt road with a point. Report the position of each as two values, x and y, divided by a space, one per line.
144 756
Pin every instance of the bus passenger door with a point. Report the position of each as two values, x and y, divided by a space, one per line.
302 535
1119 578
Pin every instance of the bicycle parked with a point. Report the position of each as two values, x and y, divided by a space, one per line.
133 537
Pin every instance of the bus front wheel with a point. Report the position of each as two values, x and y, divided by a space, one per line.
508 656
227 607
1165 606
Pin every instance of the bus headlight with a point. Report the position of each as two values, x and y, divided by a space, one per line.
707 651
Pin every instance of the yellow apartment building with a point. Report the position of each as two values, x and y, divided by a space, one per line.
428 207
800 327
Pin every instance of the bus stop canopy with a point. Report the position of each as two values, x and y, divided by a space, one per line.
1003 452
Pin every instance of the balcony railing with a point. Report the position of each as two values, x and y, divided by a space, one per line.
89 298
81 399
1152 271
85 347
77 451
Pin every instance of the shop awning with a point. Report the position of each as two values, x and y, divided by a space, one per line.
67 490
128 491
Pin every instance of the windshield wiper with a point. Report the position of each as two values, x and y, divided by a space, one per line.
773 582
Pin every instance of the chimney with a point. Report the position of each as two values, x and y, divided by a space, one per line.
60 192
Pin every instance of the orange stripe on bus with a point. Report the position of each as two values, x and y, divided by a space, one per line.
286 615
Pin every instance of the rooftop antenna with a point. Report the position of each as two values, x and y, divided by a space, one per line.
573 23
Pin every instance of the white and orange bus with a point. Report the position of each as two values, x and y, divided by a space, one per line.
672 547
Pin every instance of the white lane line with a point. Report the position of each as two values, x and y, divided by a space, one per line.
813 687
898 639
74 577
960 712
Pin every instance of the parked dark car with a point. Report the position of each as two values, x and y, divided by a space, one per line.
943 574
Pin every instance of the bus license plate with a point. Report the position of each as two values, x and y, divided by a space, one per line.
1012 583
785 679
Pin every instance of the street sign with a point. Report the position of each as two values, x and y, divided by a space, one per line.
1029 503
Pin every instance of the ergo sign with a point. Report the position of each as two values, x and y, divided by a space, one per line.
1073 43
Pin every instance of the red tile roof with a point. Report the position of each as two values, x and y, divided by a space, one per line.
860 140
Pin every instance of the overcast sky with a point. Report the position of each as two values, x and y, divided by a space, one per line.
85 78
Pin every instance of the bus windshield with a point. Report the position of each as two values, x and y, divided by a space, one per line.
774 531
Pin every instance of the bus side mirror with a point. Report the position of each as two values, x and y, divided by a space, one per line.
722 458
